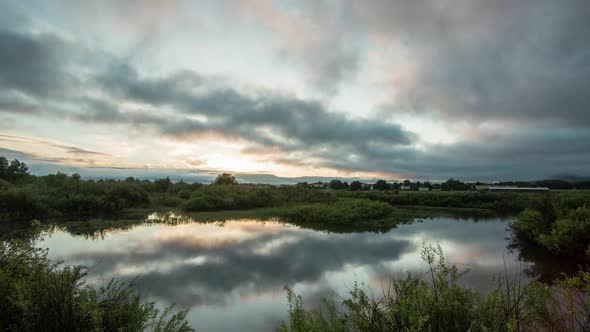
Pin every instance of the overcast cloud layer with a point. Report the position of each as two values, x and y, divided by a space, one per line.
486 90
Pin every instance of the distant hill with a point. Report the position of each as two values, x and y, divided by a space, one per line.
570 178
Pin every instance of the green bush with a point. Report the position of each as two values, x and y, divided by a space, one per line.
197 203
499 202
559 223
21 205
569 234
40 295
341 211
167 200
184 194
530 225
436 301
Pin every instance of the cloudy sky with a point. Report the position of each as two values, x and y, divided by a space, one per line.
429 89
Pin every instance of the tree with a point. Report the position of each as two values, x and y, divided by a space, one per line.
225 179
356 185
163 185
3 168
130 179
13 171
452 184
336 184
381 185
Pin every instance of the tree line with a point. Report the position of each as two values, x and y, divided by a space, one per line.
448 185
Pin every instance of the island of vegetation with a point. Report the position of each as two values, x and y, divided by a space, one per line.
37 292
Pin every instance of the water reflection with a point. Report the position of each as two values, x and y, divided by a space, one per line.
232 276
544 266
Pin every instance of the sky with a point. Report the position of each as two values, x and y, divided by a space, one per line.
394 89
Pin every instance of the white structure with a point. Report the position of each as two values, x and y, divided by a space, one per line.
404 187
519 189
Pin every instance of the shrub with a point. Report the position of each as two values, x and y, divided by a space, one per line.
530 225
569 234
559 223
167 200
342 211
184 194
20 205
435 301
40 295
197 203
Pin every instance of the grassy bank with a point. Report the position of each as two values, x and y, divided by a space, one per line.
500 203
62 197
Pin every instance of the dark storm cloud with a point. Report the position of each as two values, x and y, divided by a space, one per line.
32 64
11 102
268 119
293 123
525 63
502 155
476 61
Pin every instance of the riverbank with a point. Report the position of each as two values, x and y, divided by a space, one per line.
62 197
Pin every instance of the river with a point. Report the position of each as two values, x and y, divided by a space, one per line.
232 274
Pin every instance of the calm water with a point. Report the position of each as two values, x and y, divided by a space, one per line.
232 275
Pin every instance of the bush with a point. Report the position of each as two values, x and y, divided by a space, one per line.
127 196
40 295
499 202
167 200
435 301
184 194
559 223
342 211
198 203
20 205
530 225
569 234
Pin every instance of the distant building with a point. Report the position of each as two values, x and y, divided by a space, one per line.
518 189
482 187
318 185
405 187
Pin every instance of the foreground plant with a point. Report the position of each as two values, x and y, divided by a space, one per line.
435 301
37 294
